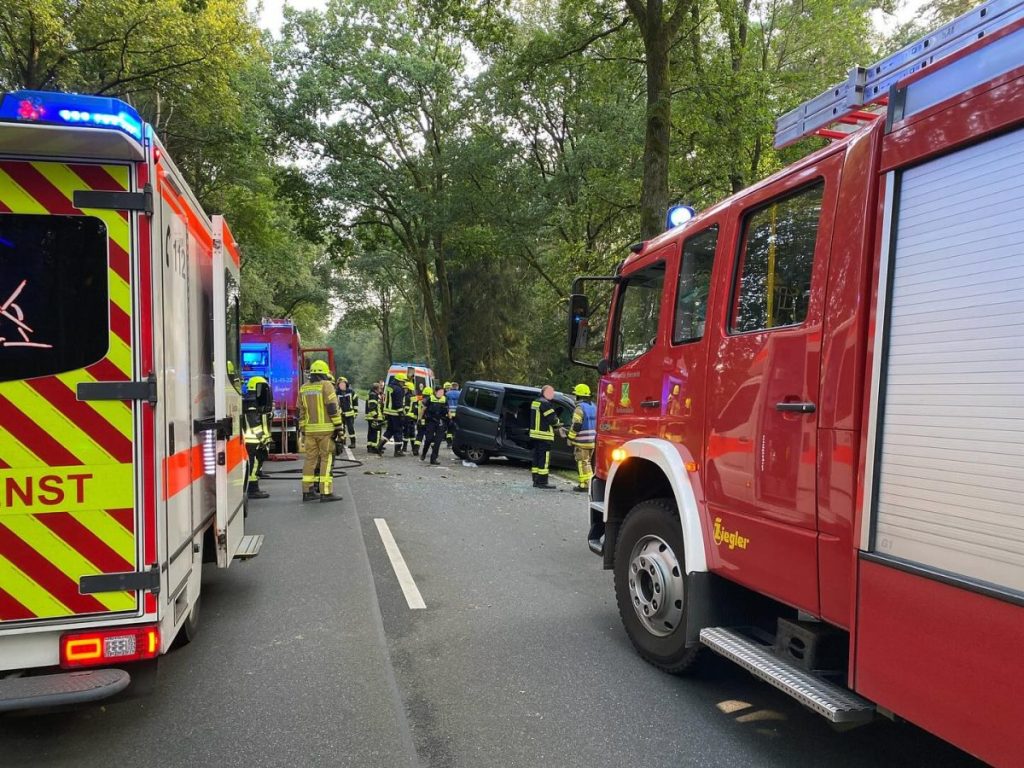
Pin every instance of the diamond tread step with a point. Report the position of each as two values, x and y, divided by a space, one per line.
249 547
838 704
61 689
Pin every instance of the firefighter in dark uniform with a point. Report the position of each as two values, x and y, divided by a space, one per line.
394 412
256 431
347 403
451 394
374 420
542 434
419 411
435 417
409 423
321 425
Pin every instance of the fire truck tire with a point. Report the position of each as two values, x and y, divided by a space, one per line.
651 585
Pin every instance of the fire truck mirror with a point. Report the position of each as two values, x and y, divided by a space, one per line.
579 315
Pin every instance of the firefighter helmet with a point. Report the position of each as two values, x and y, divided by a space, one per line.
319 366
411 386
254 380
401 376
581 390
428 391
447 385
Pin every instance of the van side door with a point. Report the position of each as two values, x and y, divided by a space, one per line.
763 386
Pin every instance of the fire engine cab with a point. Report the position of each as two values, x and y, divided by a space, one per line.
810 453
122 462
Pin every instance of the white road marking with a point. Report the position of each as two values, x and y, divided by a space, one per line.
348 454
405 580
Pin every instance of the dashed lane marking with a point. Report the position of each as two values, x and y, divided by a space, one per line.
405 580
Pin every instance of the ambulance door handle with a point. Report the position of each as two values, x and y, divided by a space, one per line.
795 407
650 404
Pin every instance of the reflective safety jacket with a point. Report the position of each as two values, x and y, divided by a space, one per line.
543 421
583 431
346 403
318 408
452 398
435 410
373 409
394 398
254 428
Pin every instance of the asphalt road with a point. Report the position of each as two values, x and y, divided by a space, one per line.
310 655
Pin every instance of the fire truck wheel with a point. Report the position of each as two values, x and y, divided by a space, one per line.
651 585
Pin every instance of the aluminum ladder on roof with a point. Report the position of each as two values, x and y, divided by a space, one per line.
865 86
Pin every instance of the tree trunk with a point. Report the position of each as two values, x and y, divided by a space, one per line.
657 36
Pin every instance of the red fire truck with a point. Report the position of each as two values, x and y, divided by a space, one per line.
810 455
122 463
273 349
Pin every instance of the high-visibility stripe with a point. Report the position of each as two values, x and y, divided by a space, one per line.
69 560
84 540
13 453
35 439
36 600
11 609
120 324
117 413
54 422
104 434
28 177
104 370
119 355
65 182
125 517
120 293
45 574
117 260
109 178
16 198
109 530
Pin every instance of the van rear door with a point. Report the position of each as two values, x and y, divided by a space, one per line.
67 466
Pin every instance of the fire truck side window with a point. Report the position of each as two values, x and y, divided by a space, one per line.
694 281
774 286
54 312
638 313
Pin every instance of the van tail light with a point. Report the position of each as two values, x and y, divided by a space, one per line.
109 646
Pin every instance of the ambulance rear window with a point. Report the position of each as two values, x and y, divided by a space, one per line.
53 294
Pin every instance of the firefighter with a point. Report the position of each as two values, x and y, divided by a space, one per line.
409 422
347 403
256 432
583 434
435 415
420 411
542 435
320 425
374 419
394 412
451 396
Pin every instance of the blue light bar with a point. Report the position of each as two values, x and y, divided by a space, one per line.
52 108
679 215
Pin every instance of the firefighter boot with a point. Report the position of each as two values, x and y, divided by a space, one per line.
310 495
541 481
352 442
255 492
329 497
581 489
398 449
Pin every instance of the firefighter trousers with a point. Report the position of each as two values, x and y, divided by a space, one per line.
396 423
373 434
584 464
541 461
350 429
257 455
319 453
433 434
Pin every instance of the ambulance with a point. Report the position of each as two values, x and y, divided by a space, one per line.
122 463
810 451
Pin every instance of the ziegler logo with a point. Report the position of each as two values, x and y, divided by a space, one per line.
732 538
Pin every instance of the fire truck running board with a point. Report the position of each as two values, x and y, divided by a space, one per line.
834 702
61 690
249 546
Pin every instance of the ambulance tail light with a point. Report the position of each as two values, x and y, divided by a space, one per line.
109 646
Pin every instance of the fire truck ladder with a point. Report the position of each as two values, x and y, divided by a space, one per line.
846 103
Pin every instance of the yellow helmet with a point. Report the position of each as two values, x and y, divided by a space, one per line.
428 391
447 385
581 390
411 386
401 376
254 380
343 378
319 366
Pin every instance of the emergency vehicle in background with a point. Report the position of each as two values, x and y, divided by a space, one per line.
273 349
810 452
419 373
122 464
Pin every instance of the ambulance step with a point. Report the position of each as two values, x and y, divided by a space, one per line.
61 689
249 547
834 702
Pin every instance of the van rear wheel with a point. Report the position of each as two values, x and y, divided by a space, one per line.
476 455
651 585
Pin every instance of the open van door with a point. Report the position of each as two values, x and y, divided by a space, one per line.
230 444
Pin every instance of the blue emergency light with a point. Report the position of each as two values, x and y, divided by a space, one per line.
679 215
52 108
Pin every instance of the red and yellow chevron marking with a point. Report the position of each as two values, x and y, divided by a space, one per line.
66 466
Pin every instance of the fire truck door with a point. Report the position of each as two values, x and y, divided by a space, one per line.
763 389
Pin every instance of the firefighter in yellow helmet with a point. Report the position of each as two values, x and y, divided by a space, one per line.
543 423
583 435
412 404
394 413
321 425
256 431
